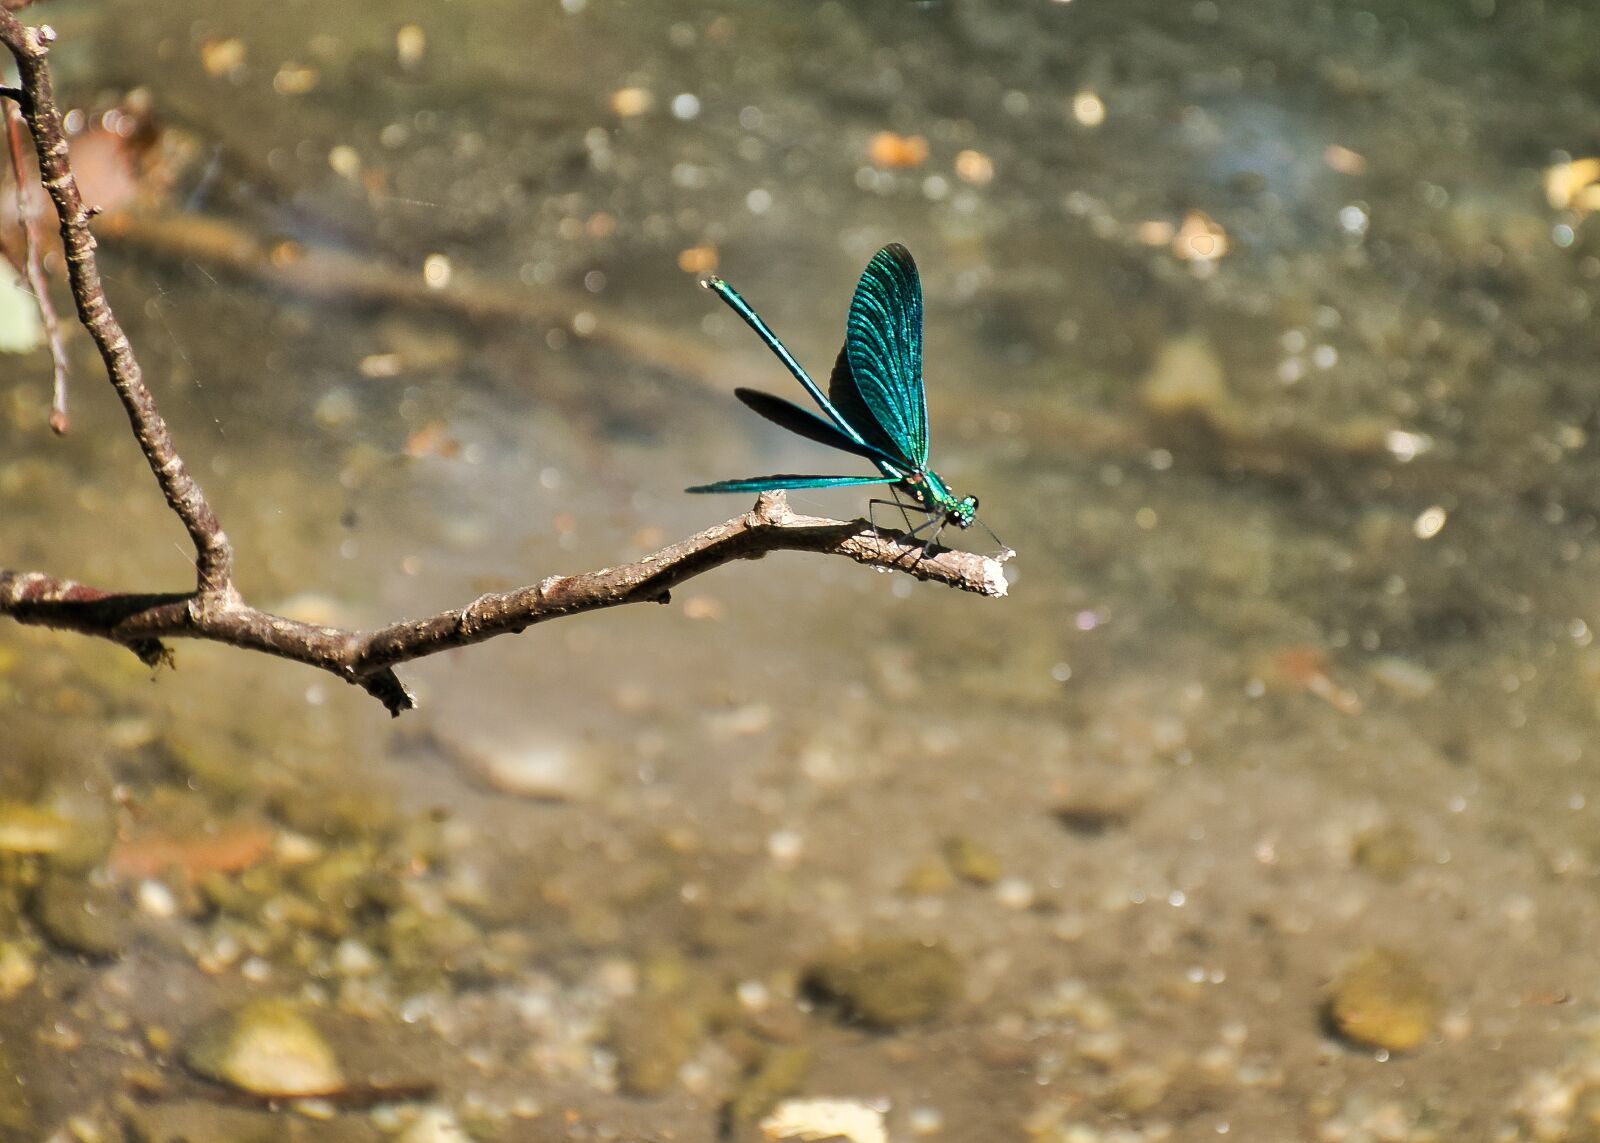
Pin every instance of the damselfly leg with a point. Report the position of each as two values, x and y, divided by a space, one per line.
896 503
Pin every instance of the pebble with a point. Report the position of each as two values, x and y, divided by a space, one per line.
928 878
1090 815
1405 678
267 1047
78 917
434 1125
654 1036
352 958
26 828
740 722
779 1071
785 846
811 1120
1187 376
1384 1000
925 1121
971 860
541 770
1388 851
887 982
1015 893
18 969
156 899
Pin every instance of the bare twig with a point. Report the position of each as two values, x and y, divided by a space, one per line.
215 610
33 267
213 554
367 658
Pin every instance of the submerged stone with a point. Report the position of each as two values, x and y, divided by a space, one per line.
652 1038
27 828
1186 377
266 1047
82 918
776 1074
971 860
1384 1000
887 982
1388 852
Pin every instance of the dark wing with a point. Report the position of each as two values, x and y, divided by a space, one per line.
883 340
807 424
741 307
845 397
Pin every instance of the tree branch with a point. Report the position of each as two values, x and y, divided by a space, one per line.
215 610
367 658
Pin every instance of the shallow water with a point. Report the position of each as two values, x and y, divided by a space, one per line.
1296 662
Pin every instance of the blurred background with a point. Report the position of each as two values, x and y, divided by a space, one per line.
1265 804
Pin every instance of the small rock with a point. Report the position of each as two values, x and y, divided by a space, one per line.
971 860
1089 817
739 722
542 770
79 917
156 899
1140 1088
1015 893
1384 1000
887 982
1388 852
1186 377
810 1120
1405 678
18 969
928 878
434 1125
652 1038
26 828
267 1047
352 958
785 846
778 1072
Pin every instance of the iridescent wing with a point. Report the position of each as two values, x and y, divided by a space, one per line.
845 396
883 342
804 423
785 481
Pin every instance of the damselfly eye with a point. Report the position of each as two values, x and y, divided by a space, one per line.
974 502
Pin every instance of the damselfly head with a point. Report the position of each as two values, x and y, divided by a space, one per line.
964 511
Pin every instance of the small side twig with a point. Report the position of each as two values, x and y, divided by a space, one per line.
213 554
33 266
367 658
